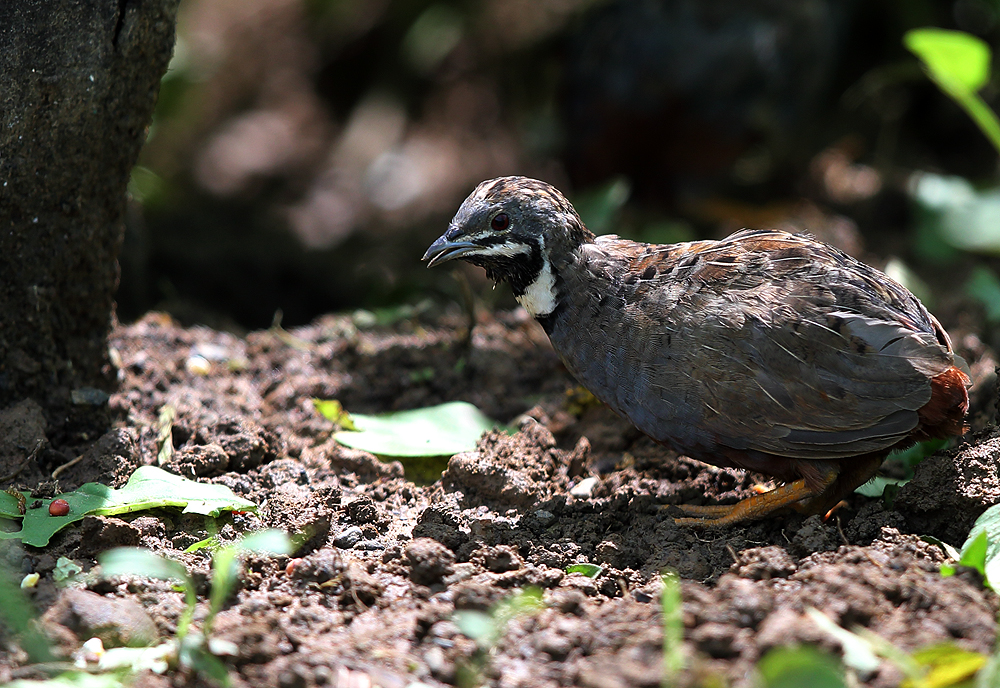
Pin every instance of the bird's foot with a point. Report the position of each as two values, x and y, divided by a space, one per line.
750 509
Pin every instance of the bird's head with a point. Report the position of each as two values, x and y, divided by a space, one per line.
517 229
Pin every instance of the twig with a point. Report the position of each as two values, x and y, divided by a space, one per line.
33 455
68 464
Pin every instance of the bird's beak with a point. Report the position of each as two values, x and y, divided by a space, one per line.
444 250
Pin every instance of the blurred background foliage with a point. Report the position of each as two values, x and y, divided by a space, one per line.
305 152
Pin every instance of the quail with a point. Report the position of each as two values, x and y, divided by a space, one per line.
767 351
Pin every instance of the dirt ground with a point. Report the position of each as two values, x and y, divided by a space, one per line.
369 597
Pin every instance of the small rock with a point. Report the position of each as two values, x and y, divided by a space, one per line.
578 581
89 396
764 563
370 545
348 537
499 559
440 667
610 552
717 640
568 601
198 365
429 561
115 621
360 586
545 518
584 488
554 645
321 566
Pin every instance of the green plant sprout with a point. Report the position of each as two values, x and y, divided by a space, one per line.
486 628
588 570
959 64
943 665
981 550
192 650
18 615
798 667
672 610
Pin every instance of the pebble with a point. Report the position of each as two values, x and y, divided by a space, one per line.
584 488
545 517
89 396
370 545
348 537
198 365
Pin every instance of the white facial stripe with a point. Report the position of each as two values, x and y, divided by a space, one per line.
540 296
507 249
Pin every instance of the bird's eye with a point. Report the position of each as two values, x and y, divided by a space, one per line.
500 222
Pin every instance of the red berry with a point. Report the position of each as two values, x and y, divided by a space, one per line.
58 507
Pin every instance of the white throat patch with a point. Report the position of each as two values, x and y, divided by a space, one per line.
540 296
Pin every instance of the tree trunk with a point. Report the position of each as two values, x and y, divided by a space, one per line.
78 82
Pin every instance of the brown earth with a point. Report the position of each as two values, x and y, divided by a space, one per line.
369 597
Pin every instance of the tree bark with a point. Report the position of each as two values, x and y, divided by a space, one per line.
78 82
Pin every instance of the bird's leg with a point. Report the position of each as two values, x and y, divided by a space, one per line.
753 507
857 471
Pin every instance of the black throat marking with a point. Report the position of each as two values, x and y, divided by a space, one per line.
519 271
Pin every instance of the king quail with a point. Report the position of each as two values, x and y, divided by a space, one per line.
766 351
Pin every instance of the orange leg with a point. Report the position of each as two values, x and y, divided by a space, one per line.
752 508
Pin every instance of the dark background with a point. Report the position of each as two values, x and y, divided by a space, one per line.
305 152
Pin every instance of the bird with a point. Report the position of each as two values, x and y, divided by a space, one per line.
766 351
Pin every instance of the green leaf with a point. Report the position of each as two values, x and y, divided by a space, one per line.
65 569
589 570
945 547
981 550
527 601
959 64
436 431
876 486
885 487
211 543
974 553
9 506
956 213
134 561
796 667
270 541
947 664
475 625
333 410
148 488
953 58
914 455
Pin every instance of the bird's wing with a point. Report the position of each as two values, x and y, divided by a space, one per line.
817 362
